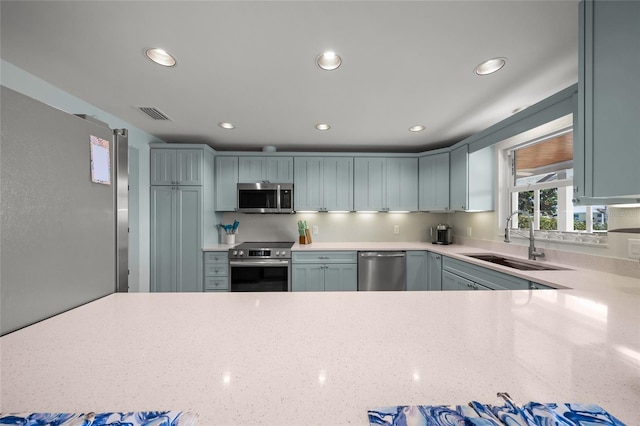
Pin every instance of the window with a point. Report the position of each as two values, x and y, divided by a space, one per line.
541 184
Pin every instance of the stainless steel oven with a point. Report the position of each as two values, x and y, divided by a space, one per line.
260 266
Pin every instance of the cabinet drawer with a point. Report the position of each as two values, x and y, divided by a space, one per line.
216 269
483 276
216 257
216 284
324 257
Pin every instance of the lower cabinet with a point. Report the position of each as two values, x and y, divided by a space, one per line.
216 271
324 271
424 271
454 271
417 270
434 283
454 282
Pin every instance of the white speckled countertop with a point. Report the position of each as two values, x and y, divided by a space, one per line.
325 358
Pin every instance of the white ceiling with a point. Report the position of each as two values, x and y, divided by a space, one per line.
253 64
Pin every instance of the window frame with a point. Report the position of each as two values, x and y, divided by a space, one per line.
512 190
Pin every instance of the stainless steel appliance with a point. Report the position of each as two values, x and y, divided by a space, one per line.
64 202
382 270
265 197
260 266
442 234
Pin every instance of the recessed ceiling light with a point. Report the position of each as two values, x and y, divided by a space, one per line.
490 66
226 125
160 56
322 126
417 128
329 61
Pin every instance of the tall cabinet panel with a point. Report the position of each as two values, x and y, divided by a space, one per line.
385 184
163 163
189 163
178 219
471 179
435 272
226 184
188 238
338 183
417 270
163 257
401 192
606 144
368 184
323 184
308 188
434 183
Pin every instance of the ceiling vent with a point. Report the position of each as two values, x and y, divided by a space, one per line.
154 113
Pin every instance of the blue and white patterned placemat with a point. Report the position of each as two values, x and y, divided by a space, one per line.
477 414
140 418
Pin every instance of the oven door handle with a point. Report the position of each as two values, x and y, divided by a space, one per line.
267 263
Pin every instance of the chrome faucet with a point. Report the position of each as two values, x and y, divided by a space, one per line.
533 254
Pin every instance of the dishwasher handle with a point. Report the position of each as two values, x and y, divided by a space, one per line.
382 254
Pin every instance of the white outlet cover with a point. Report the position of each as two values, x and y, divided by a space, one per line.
396 229
315 229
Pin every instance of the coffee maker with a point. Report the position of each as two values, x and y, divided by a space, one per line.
442 234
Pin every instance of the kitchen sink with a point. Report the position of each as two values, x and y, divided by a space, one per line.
523 265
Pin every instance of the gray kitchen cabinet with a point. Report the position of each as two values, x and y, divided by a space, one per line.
434 269
417 270
181 216
176 166
226 184
385 184
433 185
488 278
453 282
607 134
537 286
263 168
176 238
216 271
307 277
323 184
324 271
471 179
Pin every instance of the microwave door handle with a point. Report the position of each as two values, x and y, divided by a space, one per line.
278 195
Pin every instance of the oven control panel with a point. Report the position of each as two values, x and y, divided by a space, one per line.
240 253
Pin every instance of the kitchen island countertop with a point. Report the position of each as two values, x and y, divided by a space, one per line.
325 358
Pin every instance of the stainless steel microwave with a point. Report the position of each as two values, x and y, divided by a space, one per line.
265 197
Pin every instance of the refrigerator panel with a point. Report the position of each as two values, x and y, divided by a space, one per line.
58 227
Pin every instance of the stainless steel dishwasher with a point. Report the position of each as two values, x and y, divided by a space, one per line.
381 271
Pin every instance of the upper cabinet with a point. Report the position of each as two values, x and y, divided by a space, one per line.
226 183
433 186
323 184
269 169
176 166
471 179
607 134
385 184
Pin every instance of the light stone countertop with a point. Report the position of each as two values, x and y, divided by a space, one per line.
325 358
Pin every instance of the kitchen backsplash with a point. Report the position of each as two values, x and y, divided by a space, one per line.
349 227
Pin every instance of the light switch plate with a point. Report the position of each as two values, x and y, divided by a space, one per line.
633 249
